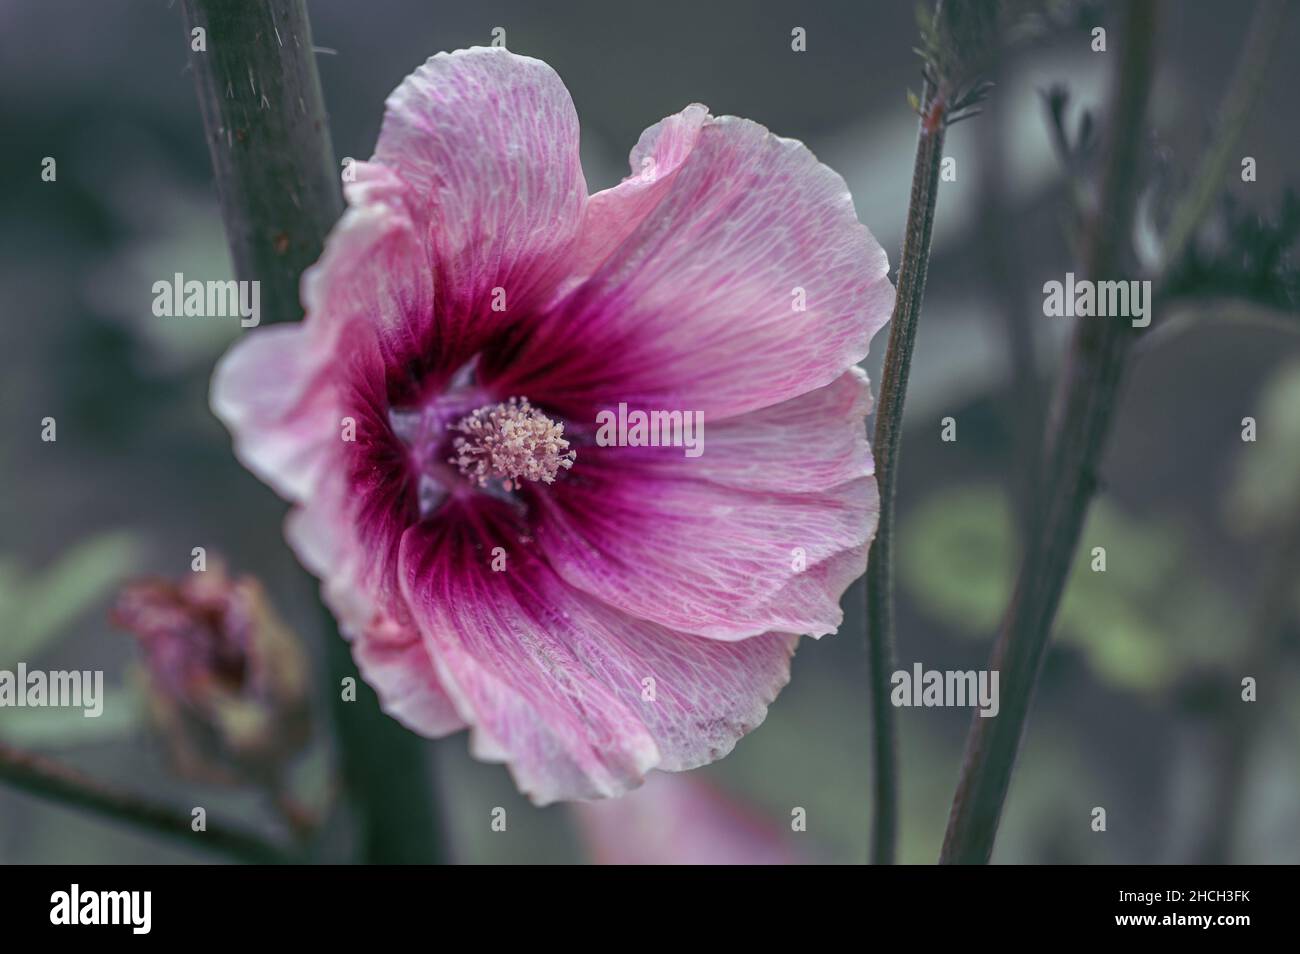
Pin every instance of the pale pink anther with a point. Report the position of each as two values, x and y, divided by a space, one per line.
509 441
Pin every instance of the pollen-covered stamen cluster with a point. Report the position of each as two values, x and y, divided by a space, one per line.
510 441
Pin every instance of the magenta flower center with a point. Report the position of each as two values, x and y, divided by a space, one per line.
461 441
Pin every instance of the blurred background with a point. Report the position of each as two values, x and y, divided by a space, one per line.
1138 707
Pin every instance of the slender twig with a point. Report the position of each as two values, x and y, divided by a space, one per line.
1077 429
889 419
1252 67
1082 410
38 775
957 42
269 140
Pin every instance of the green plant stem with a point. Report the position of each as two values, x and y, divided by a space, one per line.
268 136
41 776
912 270
1077 428
1083 406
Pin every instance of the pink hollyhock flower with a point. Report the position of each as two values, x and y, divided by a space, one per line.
676 820
591 612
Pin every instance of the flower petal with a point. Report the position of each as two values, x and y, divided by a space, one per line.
277 388
678 820
282 392
764 530
393 661
612 214
266 391
750 281
555 683
486 143
807 443
734 560
357 584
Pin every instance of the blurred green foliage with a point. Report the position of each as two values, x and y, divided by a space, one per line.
37 607
39 610
1266 485
1151 615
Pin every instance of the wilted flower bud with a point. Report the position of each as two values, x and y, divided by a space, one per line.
227 677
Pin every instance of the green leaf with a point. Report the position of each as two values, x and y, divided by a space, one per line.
46 728
1267 480
46 605
10 587
956 558
1150 616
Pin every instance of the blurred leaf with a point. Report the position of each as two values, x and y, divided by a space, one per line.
53 727
38 610
1266 486
183 239
10 587
1140 623
955 555
1110 614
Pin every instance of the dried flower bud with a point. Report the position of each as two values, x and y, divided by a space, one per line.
227 678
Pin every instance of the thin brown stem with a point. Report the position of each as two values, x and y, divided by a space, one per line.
41 776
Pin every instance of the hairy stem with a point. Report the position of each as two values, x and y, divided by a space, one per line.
278 184
38 775
889 425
